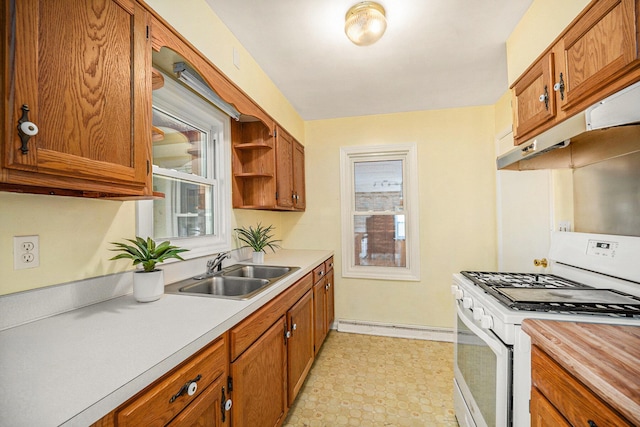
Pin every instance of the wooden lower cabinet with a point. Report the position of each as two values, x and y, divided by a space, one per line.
323 302
300 344
259 381
329 301
206 410
566 397
319 312
167 401
543 413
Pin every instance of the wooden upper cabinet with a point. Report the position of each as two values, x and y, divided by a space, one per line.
534 101
597 49
290 172
284 168
254 164
299 188
594 57
83 70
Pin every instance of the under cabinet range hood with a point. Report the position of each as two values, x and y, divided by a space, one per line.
619 109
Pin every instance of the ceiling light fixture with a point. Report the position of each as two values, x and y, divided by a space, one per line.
365 23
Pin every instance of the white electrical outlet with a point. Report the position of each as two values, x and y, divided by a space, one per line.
564 226
26 252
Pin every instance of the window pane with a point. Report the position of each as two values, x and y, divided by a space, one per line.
179 145
378 186
380 240
186 209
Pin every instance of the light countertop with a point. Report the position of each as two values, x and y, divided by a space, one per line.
74 368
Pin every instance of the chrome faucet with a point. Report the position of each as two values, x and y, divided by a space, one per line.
216 263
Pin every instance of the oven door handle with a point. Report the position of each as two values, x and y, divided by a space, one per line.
494 343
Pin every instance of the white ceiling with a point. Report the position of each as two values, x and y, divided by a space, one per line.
435 53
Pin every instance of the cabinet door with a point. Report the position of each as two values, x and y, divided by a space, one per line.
84 71
329 300
284 173
543 414
319 314
207 410
597 48
534 101
300 344
299 176
259 381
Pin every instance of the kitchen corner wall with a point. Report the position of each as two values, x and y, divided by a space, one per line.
457 208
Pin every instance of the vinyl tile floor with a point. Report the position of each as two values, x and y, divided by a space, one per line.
366 380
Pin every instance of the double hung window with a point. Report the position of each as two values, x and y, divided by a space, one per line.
191 167
380 212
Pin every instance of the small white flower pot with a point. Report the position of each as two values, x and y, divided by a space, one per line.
258 257
148 286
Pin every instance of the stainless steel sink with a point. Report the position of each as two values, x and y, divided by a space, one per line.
257 271
239 281
226 286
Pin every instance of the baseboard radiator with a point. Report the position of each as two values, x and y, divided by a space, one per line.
396 331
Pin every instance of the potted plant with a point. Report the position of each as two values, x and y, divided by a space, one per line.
148 283
258 239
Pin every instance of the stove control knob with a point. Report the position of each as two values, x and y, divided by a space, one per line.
456 292
478 313
467 302
486 322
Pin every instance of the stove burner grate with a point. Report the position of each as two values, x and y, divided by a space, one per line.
550 293
488 280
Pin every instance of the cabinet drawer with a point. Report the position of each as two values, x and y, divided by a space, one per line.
319 272
572 399
250 329
153 407
328 265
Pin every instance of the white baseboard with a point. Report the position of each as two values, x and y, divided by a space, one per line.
396 331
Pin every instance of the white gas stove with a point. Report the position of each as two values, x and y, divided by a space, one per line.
590 278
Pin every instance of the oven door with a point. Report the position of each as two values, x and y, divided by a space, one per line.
482 374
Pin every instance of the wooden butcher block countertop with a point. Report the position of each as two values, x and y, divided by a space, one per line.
605 358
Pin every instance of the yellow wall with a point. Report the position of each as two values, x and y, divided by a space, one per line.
74 237
457 208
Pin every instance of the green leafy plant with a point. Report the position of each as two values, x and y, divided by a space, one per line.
146 252
257 238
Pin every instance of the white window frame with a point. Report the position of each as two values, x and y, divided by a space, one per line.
180 102
408 153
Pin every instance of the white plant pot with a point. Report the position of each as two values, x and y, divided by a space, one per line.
258 257
149 286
